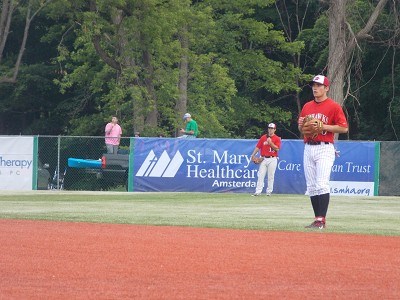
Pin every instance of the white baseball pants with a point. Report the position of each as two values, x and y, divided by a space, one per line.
267 167
318 162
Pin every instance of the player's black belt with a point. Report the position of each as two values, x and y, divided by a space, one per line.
269 156
316 143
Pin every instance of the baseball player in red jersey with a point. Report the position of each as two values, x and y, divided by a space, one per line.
268 146
319 152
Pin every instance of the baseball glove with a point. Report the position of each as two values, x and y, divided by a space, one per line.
257 160
311 127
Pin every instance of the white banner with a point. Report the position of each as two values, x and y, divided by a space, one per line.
16 163
352 188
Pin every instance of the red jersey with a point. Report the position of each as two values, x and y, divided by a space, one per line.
265 148
329 112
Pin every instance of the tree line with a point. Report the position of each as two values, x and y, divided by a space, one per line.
67 66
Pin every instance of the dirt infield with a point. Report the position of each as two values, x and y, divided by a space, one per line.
60 260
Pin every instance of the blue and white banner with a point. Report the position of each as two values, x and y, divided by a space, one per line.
193 165
355 172
224 165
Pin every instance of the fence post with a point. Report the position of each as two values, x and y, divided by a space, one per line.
35 162
58 161
130 164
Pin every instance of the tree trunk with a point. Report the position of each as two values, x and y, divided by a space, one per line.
181 103
152 115
23 44
7 10
127 62
5 21
338 54
97 40
342 43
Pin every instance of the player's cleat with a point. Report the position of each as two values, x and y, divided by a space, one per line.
255 194
316 225
268 194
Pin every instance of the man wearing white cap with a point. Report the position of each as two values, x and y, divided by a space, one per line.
319 152
191 130
268 146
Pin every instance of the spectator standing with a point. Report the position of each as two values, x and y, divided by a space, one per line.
191 130
113 134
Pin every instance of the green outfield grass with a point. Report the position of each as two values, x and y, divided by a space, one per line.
364 215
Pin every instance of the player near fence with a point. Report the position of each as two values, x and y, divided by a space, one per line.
268 146
319 120
113 134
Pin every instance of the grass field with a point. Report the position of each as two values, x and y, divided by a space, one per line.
358 215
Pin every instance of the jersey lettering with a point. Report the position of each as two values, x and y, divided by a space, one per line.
321 117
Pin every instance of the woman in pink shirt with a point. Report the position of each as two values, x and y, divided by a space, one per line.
113 134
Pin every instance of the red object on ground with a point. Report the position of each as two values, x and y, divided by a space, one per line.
62 260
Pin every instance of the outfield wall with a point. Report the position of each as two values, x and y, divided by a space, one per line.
203 165
224 165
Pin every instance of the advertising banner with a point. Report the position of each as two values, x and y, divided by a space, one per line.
356 170
224 165
201 165
16 163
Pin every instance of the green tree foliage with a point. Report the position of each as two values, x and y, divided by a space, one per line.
135 75
234 65
251 48
369 67
29 103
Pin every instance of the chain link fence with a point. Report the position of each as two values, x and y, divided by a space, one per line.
54 151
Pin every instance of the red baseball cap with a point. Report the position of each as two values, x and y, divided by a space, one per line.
321 80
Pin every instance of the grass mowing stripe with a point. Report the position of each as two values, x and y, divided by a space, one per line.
377 215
